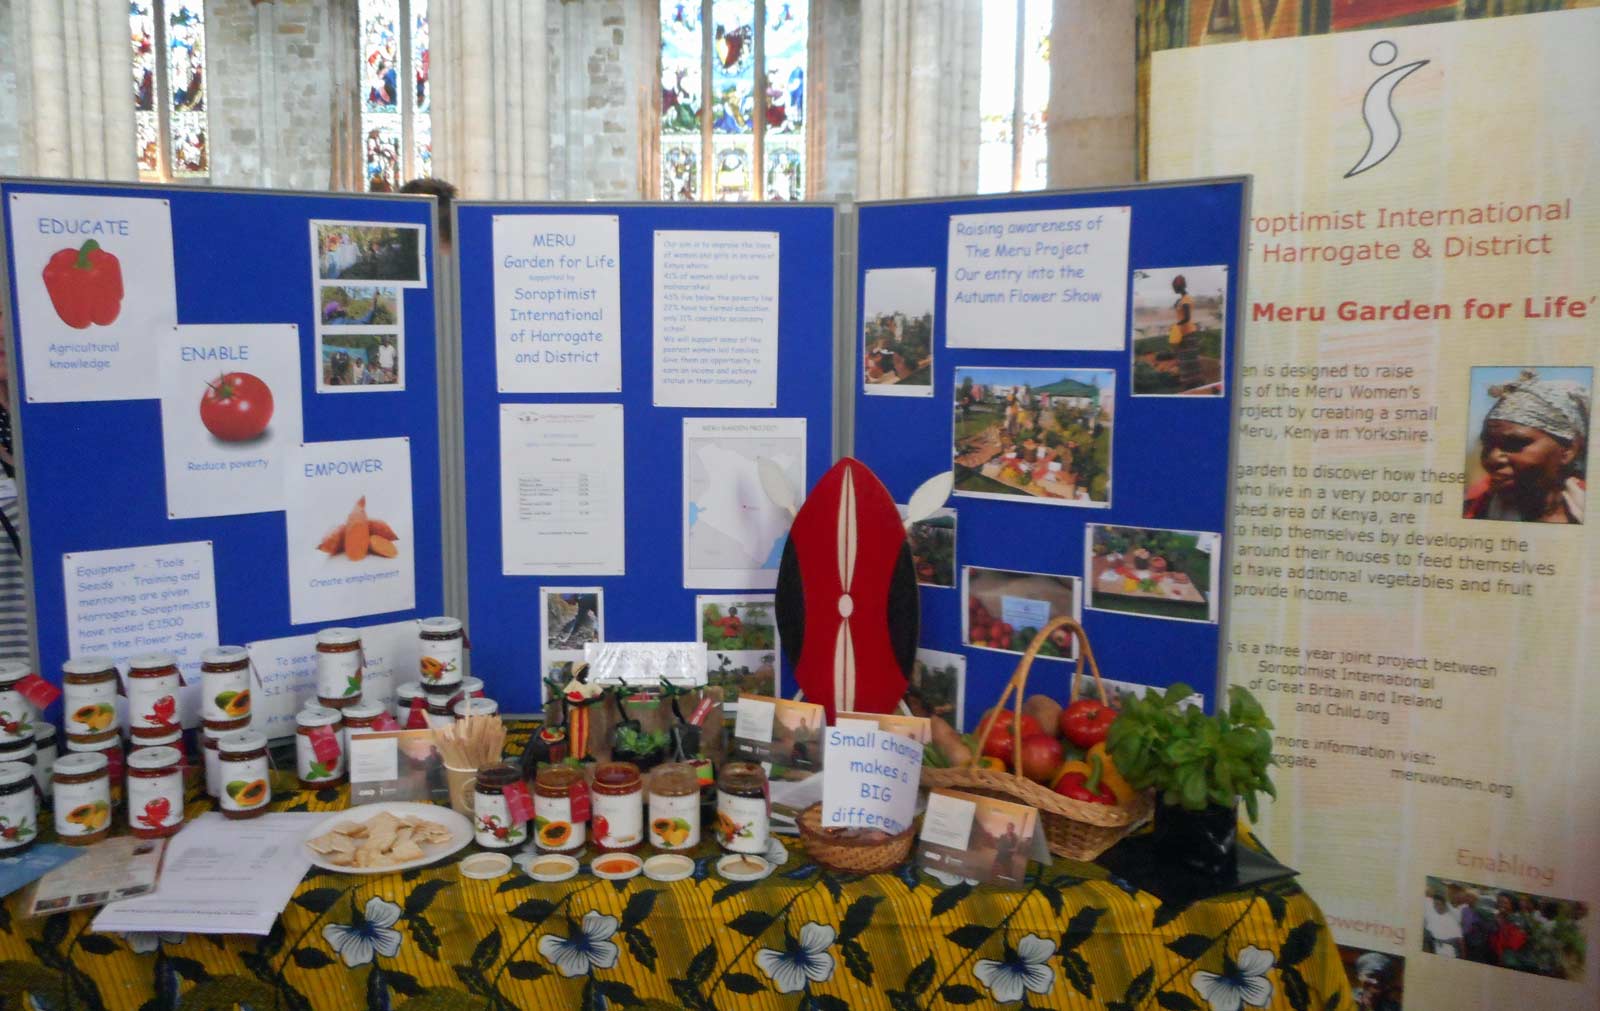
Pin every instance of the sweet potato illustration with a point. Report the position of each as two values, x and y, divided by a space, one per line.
358 532
383 547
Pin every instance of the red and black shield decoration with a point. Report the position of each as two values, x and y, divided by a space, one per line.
847 594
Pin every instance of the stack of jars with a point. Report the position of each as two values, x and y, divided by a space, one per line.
93 722
433 699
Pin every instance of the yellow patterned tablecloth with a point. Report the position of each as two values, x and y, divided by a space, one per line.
430 940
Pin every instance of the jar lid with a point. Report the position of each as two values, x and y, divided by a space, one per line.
154 758
13 670
81 764
503 774
242 741
88 665
408 691
557 777
14 772
224 655
440 625
338 636
310 716
43 732
112 740
365 710
476 707
158 742
153 661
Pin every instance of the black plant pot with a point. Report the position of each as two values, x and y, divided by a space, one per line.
1202 841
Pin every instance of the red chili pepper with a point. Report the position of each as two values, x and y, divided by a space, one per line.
163 710
156 811
1075 786
1086 721
85 285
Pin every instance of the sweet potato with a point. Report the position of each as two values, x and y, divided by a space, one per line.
382 529
949 743
358 532
333 544
383 547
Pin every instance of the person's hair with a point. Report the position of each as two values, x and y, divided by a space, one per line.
440 190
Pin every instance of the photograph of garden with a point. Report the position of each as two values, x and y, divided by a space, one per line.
1154 573
897 332
1040 435
933 548
1178 315
741 636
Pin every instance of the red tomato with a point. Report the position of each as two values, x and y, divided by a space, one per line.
236 407
1041 757
998 743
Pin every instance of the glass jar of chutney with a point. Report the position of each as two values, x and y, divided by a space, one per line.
89 703
618 818
743 817
225 688
560 808
19 809
82 792
155 792
499 821
340 666
153 684
246 787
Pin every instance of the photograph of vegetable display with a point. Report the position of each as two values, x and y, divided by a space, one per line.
360 535
1005 610
1035 435
1153 573
236 407
933 548
84 285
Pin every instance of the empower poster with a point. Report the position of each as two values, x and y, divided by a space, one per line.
1414 573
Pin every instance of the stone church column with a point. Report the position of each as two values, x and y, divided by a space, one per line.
74 91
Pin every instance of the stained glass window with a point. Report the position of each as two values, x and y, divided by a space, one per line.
169 94
1014 96
733 123
396 121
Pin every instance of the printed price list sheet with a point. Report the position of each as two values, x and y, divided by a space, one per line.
561 472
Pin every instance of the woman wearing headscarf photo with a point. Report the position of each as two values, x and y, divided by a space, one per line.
1533 443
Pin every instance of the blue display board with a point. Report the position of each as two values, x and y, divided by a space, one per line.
94 469
649 602
1170 456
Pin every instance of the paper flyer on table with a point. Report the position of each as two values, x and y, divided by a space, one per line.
111 869
230 413
95 287
733 533
352 548
561 490
221 877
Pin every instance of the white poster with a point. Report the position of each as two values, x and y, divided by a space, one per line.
716 319
95 294
557 303
352 550
1046 280
161 598
230 413
733 534
286 672
561 503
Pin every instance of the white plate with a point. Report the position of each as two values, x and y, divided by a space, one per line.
460 833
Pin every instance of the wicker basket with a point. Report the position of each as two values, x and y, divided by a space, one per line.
1075 829
852 856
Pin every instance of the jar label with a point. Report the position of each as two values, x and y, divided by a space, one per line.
225 695
492 823
319 755
553 826
244 784
17 717
339 674
82 808
675 821
155 801
440 661
618 820
91 709
213 772
741 823
153 703
19 819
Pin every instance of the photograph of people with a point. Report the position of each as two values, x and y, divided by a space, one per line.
1177 341
1505 928
1527 457
1441 926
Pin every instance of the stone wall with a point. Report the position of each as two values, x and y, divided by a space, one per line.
836 66
599 50
10 123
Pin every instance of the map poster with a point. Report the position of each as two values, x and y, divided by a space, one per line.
1414 585
733 533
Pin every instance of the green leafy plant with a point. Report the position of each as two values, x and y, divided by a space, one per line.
641 742
1195 760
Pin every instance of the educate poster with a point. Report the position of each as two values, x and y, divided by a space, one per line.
352 546
715 316
230 412
1413 570
557 303
95 293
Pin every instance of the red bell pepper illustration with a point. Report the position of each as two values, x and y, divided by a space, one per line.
85 285
162 711
155 812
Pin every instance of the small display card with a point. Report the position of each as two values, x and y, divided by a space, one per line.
783 735
392 765
109 870
871 778
981 838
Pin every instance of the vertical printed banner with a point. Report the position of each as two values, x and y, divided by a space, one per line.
1414 573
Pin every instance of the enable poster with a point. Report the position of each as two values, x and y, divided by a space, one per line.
1414 569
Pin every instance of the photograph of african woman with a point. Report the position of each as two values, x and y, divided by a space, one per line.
1178 347
1528 442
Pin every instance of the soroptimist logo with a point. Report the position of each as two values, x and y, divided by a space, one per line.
1377 108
